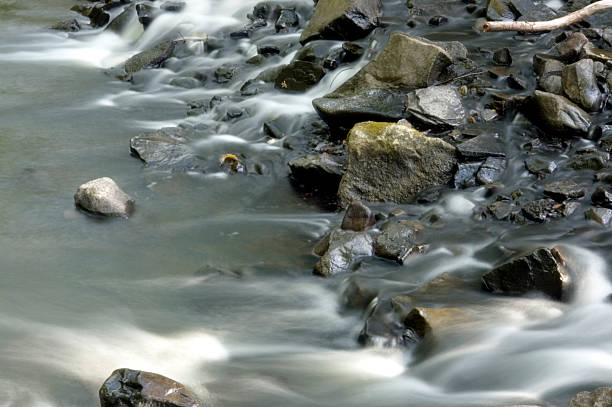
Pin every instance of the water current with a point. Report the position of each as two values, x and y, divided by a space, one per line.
80 297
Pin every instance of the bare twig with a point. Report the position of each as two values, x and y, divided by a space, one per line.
535 26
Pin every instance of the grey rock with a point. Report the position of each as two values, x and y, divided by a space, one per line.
127 18
151 58
599 215
436 106
548 71
225 73
541 210
67 25
600 397
165 149
580 84
589 160
357 217
540 166
564 189
501 210
102 196
542 270
342 19
481 147
491 170
345 249
393 162
299 76
132 388
319 170
502 57
557 115
569 50
465 177
287 20
602 197
397 239
173 6
357 293
382 329
590 51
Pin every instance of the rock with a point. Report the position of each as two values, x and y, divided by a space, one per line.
465 177
548 70
481 147
540 166
342 20
569 50
247 30
322 171
287 20
541 210
397 239
438 20
580 84
599 215
151 58
589 51
357 293
132 388
564 189
382 329
165 149
345 249
67 25
501 210
404 62
231 164
557 115
393 162
127 18
423 321
602 197
436 106
102 196
358 217
499 10
146 14
502 57
600 397
173 6
542 270
517 82
371 104
225 73
97 16
589 160
491 170
299 76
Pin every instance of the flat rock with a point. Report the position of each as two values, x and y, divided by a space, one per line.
392 163
542 270
436 106
557 115
481 147
540 166
465 177
564 189
345 248
491 170
103 197
165 149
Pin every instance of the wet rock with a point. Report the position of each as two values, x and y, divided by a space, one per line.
146 13
589 160
127 18
542 270
173 6
287 20
540 166
342 20
67 25
232 164
225 73
397 239
352 51
185 82
97 16
502 57
605 137
345 249
465 177
358 294
438 20
501 210
491 170
541 210
481 147
557 115
569 50
599 215
371 104
267 50
322 171
299 76
425 321
131 388
564 189
247 30
393 162
580 84
499 10
604 176
165 149
357 218
602 197
382 329
589 51
517 82
102 196
404 62
600 397
151 58
436 106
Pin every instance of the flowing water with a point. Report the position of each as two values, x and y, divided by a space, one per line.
210 281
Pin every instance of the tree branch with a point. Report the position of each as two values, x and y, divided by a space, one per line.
535 26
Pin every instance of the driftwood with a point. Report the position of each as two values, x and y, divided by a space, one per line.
535 26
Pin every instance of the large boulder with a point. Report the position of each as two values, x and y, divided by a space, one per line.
580 84
542 270
102 196
342 19
135 388
557 115
391 162
345 248
436 106
600 397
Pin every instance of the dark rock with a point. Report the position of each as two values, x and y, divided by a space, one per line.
438 20
225 73
393 162
580 84
267 50
564 189
481 147
132 388
540 166
127 18
599 215
491 170
358 217
542 270
397 239
600 397
549 72
345 249
541 210
287 20
186 82
342 20
247 30
352 51
557 115
602 197
517 82
146 14
151 58
97 16
67 25
299 76
425 321
465 177
501 210
589 51
502 57
569 50
589 160
173 6
358 293
323 171
604 176
103 197
165 149
436 106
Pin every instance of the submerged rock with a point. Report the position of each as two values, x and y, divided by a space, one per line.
135 388
393 162
542 270
102 196
557 115
165 149
344 250
342 20
424 321
491 170
541 210
436 106
602 197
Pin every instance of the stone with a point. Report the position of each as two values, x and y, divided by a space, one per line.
541 210
225 73
540 166
287 20
151 58
397 239
103 197
146 14
436 106
569 50
345 249
71 25
548 71
600 397
543 270
501 210
491 170
371 104
173 6
589 160
127 18
502 57
165 149
465 177
358 294
602 197
342 20
299 76
323 171
499 10
564 189
357 217
382 328
97 16
404 62
393 162
580 84
425 321
599 215
134 388
590 51
557 115
481 147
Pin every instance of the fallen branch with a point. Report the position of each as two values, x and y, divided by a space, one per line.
535 26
